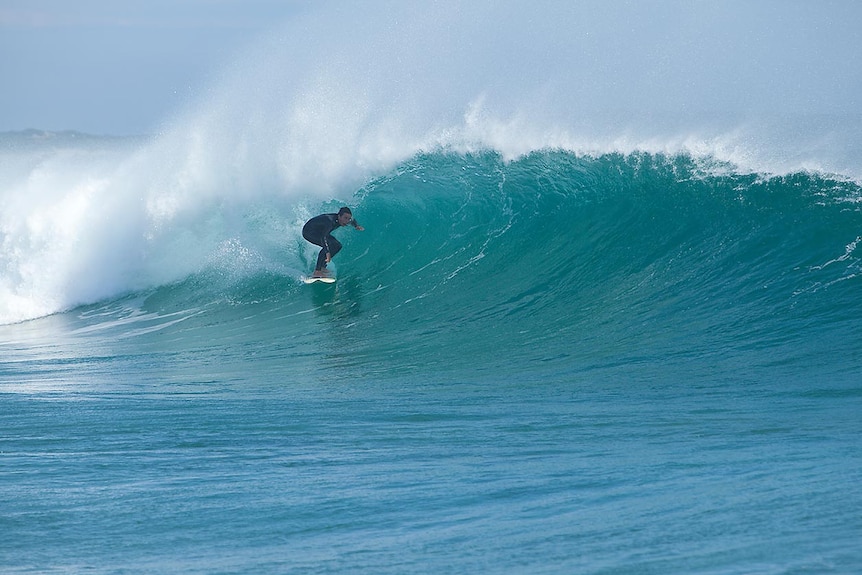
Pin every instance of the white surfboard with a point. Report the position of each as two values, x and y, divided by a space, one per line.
316 280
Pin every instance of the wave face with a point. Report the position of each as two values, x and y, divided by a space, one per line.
562 259
541 266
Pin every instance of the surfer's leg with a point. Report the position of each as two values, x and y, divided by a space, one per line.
321 260
318 241
334 247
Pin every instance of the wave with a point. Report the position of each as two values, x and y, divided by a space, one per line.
86 222
557 255
554 259
315 111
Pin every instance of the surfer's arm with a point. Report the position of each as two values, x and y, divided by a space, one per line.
356 225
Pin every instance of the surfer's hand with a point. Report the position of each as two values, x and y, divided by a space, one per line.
360 228
328 257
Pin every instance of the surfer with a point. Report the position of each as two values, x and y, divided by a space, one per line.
318 230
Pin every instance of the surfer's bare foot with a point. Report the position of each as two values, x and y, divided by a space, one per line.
320 274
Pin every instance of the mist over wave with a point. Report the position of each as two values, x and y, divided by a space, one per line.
327 103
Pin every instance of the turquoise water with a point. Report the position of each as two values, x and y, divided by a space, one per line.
604 317
560 363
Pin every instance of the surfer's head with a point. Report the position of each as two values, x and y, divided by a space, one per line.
344 216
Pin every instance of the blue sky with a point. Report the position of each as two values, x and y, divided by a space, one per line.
118 66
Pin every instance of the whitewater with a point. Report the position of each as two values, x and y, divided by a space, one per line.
604 316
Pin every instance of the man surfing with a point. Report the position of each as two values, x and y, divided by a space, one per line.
318 230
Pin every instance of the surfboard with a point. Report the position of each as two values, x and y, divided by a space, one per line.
320 280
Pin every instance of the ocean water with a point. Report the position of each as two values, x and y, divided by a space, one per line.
561 363
554 348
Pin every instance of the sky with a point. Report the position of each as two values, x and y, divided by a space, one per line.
123 66
119 66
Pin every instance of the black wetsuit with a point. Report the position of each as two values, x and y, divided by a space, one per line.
318 230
